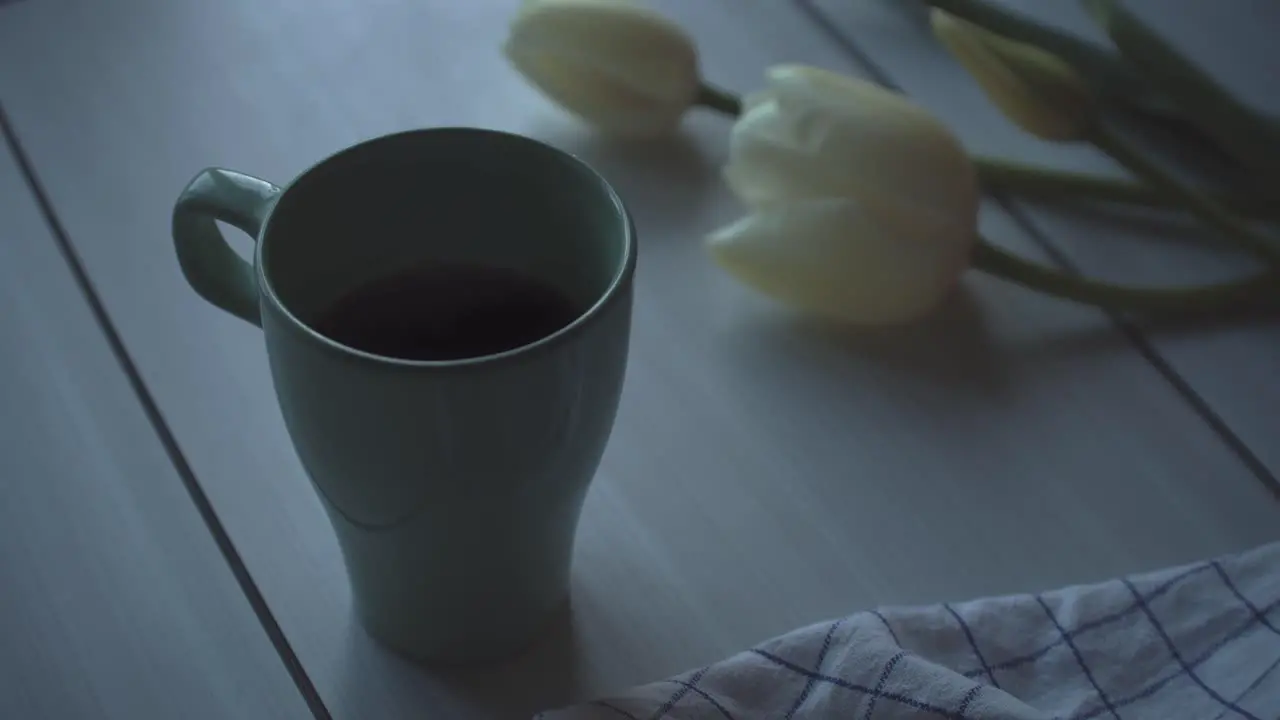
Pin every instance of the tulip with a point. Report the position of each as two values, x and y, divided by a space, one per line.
1036 90
863 209
862 205
615 64
1044 96
1111 77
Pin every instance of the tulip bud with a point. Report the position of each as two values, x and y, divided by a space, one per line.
863 205
616 65
1037 90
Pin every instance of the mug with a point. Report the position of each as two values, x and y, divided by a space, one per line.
454 486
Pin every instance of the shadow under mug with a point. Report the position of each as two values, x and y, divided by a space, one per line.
454 487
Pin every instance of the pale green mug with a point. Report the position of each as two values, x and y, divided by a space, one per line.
454 487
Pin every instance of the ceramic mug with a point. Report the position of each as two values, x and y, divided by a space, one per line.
454 487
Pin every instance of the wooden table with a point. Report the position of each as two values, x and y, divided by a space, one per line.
114 599
762 475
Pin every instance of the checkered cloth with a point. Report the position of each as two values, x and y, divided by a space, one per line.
1199 641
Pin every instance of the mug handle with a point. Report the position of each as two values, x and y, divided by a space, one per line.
211 267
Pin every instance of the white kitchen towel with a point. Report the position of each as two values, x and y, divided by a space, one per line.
1199 641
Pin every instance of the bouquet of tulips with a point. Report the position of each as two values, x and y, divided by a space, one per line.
862 206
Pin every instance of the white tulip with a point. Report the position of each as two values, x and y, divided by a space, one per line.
613 63
1038 91
863 206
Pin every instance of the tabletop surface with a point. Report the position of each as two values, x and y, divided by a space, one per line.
161 549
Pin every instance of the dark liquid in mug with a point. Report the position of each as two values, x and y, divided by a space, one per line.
447 312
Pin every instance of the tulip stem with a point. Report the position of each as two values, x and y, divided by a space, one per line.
1036 181
719 99
1000 263
1252 139
1207 209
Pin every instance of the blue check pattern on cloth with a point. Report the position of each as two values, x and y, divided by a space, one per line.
1198 641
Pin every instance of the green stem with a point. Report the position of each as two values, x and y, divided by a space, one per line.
719 99
1162 181
1120 298
1250 138
1037 181
1105 73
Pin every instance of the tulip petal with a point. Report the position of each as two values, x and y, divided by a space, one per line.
767 164
615 64
596 97
816 133
838 259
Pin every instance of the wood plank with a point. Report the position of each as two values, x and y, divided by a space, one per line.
116 602
1230 365
762 474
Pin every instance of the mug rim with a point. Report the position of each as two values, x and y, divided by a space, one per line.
621 280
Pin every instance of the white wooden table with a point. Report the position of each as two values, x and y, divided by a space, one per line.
1011 443
114 599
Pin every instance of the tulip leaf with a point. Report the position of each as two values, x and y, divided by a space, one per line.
1248 137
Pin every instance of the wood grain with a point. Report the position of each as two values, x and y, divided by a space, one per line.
115 601
764 473
1229 364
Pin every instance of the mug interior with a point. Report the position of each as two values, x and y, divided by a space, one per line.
449 195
